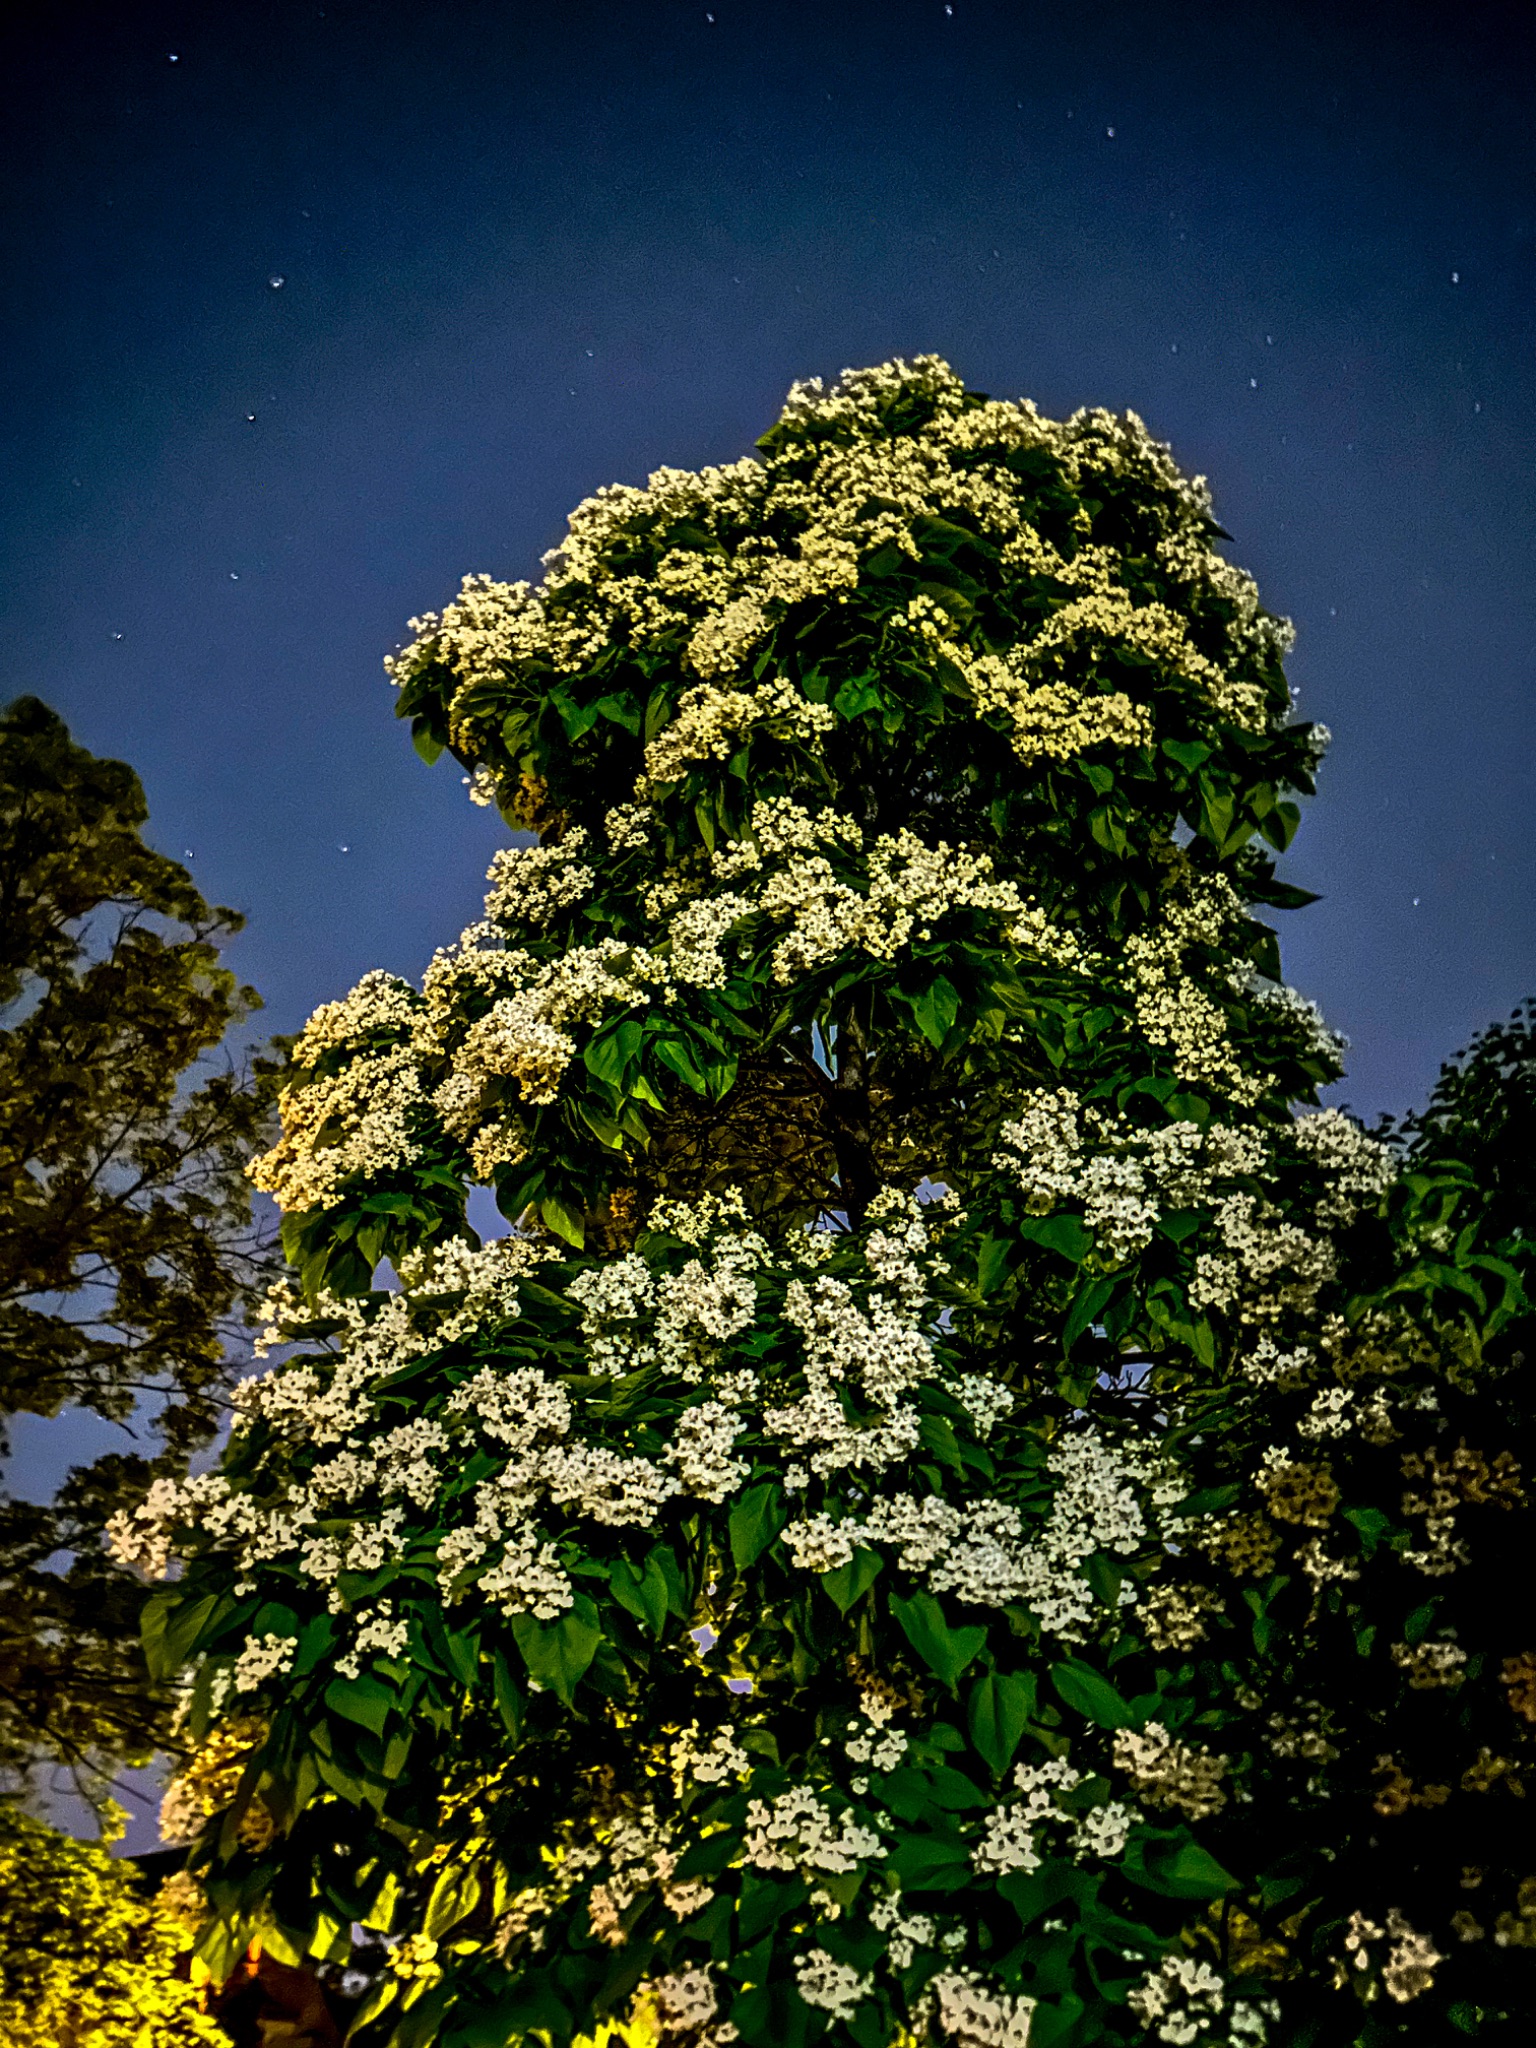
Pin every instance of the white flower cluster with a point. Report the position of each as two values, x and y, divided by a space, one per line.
699 1762
487 1277
262 1658
679 2007
1269 1366
373 1474
372 1477
984 1399
373 1116
1431 1665
1125 1177
905 1933
1299 1017
1054 720
1268 1267
1010 1833
797 1831
362 1121
1167 1773
871 1740
874 1350
703 1451
831 1986
1358 1168
637 1846
377 1629
1007 1843
974 2014
1096 1507
711 723
980 1552
683 2005
1180 2001
812 876
632 1318
524 1036
530 885
1173 1008
910 886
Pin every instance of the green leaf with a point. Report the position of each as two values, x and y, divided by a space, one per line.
945 1650
1065 1234
1189 754
1105 1576
936 1010
936 1434
430 750
771 2016
1179 1224
610 1053
1091 1301
1281 826
664 1558
563 1221
557 1653
1082 1689
997 1713
643 1593
1189 1872
867 2026
851 1581
992 1258
462 1646
363 1700
603 1128
765 1900
953 1791
317 1640
930 1862
533 2007
1054 2021
171 1628
1372 1525
857 696
672 1054
621 711
453 1898
509 1695
756 1520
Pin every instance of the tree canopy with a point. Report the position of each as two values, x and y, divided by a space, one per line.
85 1955
966 1507
127 1252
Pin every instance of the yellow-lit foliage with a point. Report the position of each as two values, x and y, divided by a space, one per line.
86 1960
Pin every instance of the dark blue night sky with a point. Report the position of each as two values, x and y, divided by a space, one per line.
311 310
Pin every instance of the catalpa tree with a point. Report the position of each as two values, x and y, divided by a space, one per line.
943 1519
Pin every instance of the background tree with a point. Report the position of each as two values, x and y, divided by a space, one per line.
1482 1114
128 1254
756 1596
89 1953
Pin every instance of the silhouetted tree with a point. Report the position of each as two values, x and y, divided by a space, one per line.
128 1253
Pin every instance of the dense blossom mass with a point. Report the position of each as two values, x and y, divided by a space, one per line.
860 1557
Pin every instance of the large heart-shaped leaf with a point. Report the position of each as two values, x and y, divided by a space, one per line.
945 1650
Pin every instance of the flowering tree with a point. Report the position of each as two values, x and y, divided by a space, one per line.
915 1532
